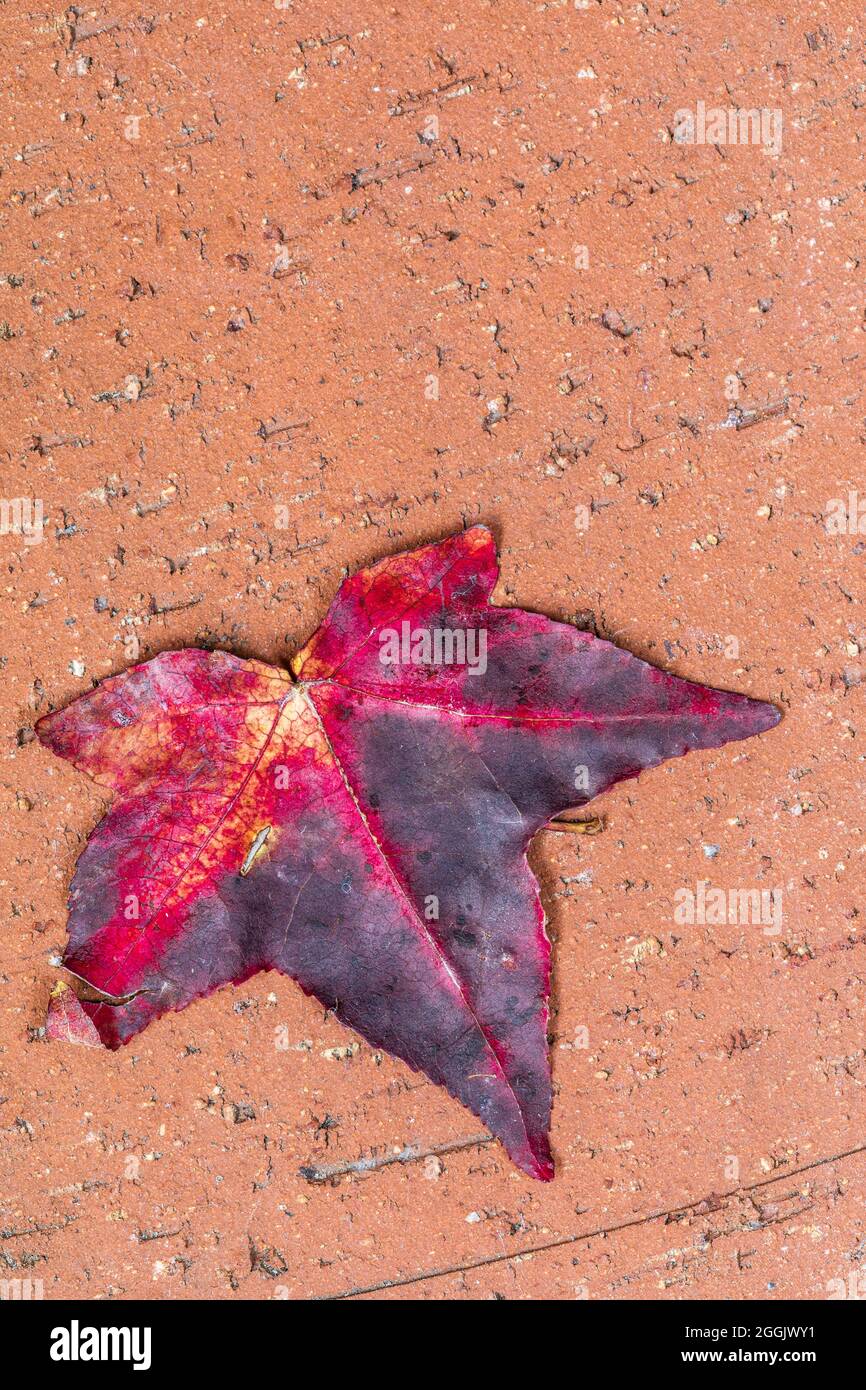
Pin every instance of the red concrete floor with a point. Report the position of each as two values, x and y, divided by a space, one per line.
284 289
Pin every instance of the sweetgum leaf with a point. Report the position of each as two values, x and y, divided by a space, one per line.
364 828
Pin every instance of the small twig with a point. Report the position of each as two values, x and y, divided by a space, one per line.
457 87
744 419
410 1154
277 427
45 443
158 607
593 826
206 139
380 173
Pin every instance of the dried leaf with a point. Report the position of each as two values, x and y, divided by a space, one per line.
66 1020
365 829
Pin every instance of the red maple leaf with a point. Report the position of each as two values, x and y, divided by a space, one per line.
363 828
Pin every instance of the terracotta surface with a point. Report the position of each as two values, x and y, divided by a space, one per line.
297 324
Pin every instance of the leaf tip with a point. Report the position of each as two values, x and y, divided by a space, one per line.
759 716
540 1164
773 716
